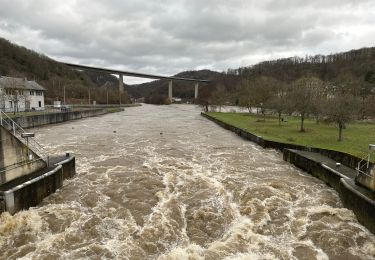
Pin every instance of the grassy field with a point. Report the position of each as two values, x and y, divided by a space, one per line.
357 136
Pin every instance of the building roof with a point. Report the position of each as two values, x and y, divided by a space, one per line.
19 83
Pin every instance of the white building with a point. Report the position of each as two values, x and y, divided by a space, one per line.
18 94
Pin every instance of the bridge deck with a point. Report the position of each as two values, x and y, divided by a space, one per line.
132 74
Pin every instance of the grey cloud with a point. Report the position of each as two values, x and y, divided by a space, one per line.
168 36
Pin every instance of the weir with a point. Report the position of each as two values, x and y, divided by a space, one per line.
196 191
27 173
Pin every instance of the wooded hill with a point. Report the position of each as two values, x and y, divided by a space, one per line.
158 89
17 61
355 66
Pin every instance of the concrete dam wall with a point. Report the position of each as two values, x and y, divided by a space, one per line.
14 159
25 178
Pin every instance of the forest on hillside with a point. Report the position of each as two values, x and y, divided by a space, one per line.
336 88
17 61
355 68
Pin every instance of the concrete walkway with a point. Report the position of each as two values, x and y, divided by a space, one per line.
343 170
327 162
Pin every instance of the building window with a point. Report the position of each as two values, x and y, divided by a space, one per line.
10 104
40 103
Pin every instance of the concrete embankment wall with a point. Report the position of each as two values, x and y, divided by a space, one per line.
362 206
344 158
351 195
32 192
316 169
52 118
14 160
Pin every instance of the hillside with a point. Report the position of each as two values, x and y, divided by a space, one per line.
355 66
358 65
181 89
18 61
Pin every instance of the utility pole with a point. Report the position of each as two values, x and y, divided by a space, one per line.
107 95
64 95
89 98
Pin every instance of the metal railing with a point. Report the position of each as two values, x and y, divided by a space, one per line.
364 166
17 131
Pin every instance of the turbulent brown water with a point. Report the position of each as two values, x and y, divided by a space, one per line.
164 182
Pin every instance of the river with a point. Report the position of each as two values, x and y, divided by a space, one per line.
163 182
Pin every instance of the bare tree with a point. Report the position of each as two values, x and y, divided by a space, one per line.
303 97
320 98
219 96
278 102
257 92
341 109
246 95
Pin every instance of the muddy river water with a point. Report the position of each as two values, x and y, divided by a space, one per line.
163 182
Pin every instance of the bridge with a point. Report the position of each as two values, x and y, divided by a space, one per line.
123 73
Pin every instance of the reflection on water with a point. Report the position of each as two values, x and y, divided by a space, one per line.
163 182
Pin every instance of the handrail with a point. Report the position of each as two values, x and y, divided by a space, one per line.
17 131
364 163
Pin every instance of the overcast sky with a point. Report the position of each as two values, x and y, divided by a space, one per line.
169 36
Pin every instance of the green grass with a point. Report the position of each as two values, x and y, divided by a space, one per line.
357 136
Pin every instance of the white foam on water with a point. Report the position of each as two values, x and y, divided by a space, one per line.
195 192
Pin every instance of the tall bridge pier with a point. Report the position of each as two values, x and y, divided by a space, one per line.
121 74
170 90
170 94
121 84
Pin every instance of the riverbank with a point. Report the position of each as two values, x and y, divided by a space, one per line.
320 163
240 129
49 109
40 118
357 136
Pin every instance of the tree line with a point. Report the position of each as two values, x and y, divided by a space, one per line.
339 101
